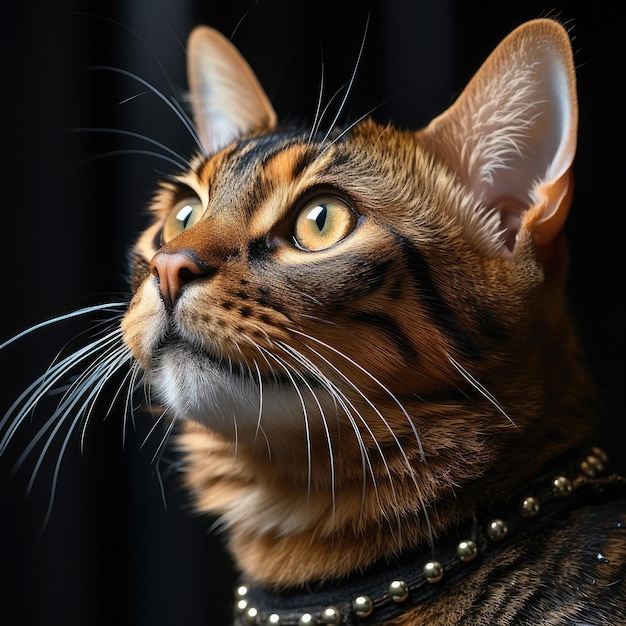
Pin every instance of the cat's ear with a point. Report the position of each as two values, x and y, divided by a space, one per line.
512 132
226 98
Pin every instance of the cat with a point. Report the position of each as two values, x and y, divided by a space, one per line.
363 338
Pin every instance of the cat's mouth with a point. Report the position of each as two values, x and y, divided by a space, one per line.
174 342
231 396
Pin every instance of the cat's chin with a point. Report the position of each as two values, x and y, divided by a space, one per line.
232 400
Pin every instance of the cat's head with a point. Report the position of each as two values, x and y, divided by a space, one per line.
315 292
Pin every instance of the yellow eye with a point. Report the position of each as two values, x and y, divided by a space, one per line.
186 212
322 223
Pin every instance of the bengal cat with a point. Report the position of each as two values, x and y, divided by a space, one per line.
363 336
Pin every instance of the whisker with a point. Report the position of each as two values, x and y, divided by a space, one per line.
398 444
93 381
140 39
163 443
260 379
349 410
243 17
285 367
317 118
82 393
350 83
172 105
243 364
30 397
311 368
371 377
134 373
346 130
134 151
62 318
182 161
158 455
480 388
100 376
135 96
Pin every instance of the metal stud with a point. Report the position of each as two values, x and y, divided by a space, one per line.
398 590
433 571
588 469
331 615
251 615
273 619
240 607
241 591
306 619
362 606
592 465
529 507
497 529
600 453
466 550
562 486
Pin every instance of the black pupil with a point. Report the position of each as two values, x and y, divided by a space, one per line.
320 218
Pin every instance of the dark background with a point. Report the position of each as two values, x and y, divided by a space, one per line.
120 545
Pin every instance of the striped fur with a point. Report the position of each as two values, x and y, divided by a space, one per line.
343 404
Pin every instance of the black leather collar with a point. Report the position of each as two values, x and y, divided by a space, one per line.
391 587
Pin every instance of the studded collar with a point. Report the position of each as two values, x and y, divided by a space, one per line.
390 588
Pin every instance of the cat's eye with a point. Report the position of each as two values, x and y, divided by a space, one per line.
185 213
323 222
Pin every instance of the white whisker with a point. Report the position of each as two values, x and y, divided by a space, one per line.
93 381
311 368
373 378
260 379
350 84
179 159
398 444
288 371
134 374
62 318
480 388
348 409
173 105
346 130
158 455
134 151
317 118
162 444
28 400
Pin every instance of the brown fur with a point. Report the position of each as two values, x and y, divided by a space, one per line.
326 493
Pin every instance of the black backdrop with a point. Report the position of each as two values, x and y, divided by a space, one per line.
120 544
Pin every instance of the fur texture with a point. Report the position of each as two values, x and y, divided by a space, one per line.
361 391
364 335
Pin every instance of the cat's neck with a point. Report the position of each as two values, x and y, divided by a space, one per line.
284 531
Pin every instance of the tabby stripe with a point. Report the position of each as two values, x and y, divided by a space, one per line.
337 161
508 591
139 269
439 311
262 150
281 159
302 161
388 326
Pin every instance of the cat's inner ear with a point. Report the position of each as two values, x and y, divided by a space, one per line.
511 134
226 98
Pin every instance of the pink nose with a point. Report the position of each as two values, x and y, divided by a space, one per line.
173 270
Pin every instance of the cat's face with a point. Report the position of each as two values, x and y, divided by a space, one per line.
335 289
296 294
